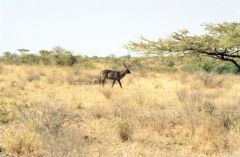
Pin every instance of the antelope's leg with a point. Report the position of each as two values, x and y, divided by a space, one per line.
120 83
103 81
113 83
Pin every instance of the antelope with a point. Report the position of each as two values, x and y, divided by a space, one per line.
113 75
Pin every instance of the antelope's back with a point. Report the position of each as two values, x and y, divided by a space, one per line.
109 74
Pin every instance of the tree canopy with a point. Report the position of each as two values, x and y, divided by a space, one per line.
220 41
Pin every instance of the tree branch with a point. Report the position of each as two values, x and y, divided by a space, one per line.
223 57
224 53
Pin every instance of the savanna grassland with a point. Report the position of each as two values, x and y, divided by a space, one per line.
51 111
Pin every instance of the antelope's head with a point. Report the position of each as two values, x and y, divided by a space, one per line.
127 69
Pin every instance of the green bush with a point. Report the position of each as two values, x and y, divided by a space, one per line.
62 57
208 65
169 62
227 69
65 59
190 68
163 69
86 63
29 59
11 58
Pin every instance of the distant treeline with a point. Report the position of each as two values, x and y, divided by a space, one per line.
60 57
57 56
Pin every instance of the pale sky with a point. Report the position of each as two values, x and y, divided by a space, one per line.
102 27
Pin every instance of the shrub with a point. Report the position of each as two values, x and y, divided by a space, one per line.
206 66
11 58
210 138
100 111
4 114
207 108
163 69
169 62
66 59
227 69
190 68
49 131
22 143
182 94
107 93
211 81
32 76
29 59
53 121
125 131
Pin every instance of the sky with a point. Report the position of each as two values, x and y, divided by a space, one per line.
102 27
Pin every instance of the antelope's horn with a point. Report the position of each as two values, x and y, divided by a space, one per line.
125 65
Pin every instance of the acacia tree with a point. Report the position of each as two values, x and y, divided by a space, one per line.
23 51
220 41
63 56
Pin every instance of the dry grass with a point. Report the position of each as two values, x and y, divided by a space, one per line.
21 142
125 131
43 112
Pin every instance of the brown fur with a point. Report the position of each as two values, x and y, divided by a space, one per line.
113 75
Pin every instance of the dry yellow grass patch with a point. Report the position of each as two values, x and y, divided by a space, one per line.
46 113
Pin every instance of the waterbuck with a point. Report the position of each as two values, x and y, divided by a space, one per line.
113 75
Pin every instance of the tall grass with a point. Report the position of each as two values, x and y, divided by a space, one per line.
155 114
